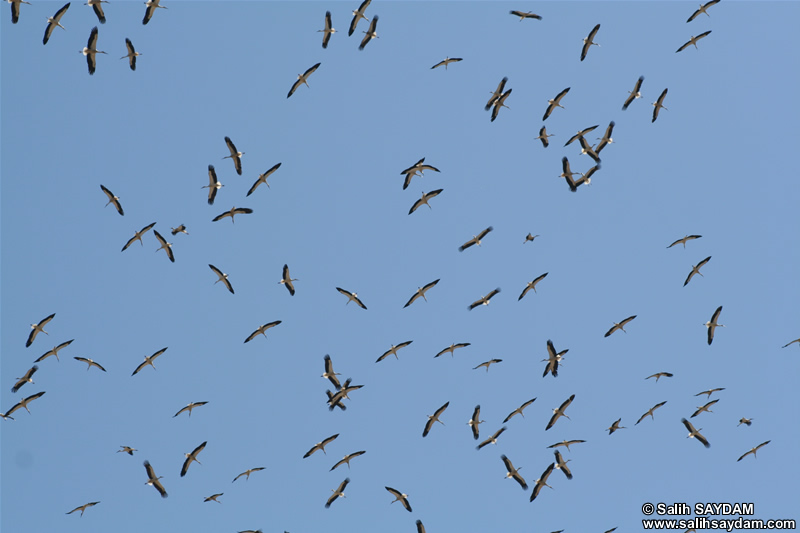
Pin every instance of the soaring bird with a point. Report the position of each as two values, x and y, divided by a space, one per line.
321 446
745 421
90 51
247 473
659 104
327 31
370 34
696 270
484 300
352 297
213 498
23 403
709 392
393 351
634 94
553 358
286 280
514 472
500 102
97 6
148 360
151 9
15 4
525 15
790 343
339 492
262 330
330 374
476 239
615 426
619 326
703 9
358 15
531 285
189 408
492 439
421 293
400 497
487 364
153 480
713 324
704 409
346 460
27 378
54 21
588 41
566 443
54 351
192 457
659 375
475 421
434 418
692 40
412 171
138 236
542 481
424 200
580 134
753 451
496 94
561 464
166 246
127 449
113 200
587 148
684 240
83 507
132 54
452 348
90 362
694 433
543 136
232 213
236 155
558 413
650 412
223 277
36 328
262 178
606 139
518 410
179 229
213 184
446 61
302 79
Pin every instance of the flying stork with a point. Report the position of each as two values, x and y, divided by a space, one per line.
525 15
659 375
111 198
615 426
166 246
514 472
261 330
330 374
553 359
321 446
54 351
606 139
559 412
710 391
484 300
696 270
753 451
138 236
236 155
476 239
425 199
192 457
703 9
90 51
518 410
705 408
561 464
543 136
745 421
588 41
496 94
434 418
566 443
213 184
555 102
659 104
97 6
23 403
452 348
83 507
54 21
446 61
492 439
619 326
36 328
151 8
712 324
328 30
529 237
302 79
587 176
401 497
421 293
531 285
695 433
650 412
393 351
148 360
370 33
247 473
684 240
213 498
634 94
411 171
475 421
346 460
357 16
223 277
487 364
692 40
153 480
580 134
189 408
352 297
500 102
127 449
90 362
232 213
339 492
542 481
420 527
27 378
15 9
262 178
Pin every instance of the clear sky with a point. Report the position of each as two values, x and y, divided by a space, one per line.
720 163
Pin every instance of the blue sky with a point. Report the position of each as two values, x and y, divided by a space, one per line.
718 163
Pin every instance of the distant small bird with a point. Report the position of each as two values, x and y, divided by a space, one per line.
421 293
236 155
476 239
89 362
232 213
370 34
302 79
692 40
153 480
587 149
650 412
97 6
684 240
634 94
474 422
15 4
559 412
452 348
484 300
223 277
531 285
213 498
446 61
189 408
753 450
543 136
566 443
660 375
261 330
329 374
327 31
588 42
492 439
696 270
412 171
555 102
529 238
553 359
619 326
148 360
83 507
23 403
606 139
339 492
262 178
113 200
561 464
514 472
91 51
580 134
346 460
127 449
53 21
713 324
424 200
487 364
27 378
36 328
496 94
518 410
695 433
138 236
709 392
542 481
321 446
352 297
434 418
54 351
192 457
615 426
151 9
247 473
213 186
166 246
132 54
358 15
500 102
525 15
400 497
179 229
393 351
704 409
659 104
286 280
745 421
703 9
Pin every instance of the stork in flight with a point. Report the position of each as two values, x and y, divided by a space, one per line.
559 412
703 9
91 51
236 155
543 135
132 54
514 472
745 421
36 328
330 374
553 359
400 497
615 426
138 236
54 21
487 364
542 481
328 30
566 443
684 240
421 293
321 446
213 498
97 6
213 186
303 79
247 473
261 330
753 451
148 360
192 457
475 421
713 324
223 277
358 15
151 9
189 408
695 433
27 378
232 213
500 102
393 351
696 270
492 439
127 449
90 362
704 409
496 94
424 200
525 15
561 464
476 239
166 246
692 40
446 61
659 104
15 4
634 94
484 300
83 507
434 418
370 34
589 41
54 351
262 178
339 491
531 285
709 392
452 348
518 410
352 297
580 134
346 460
23 403
112 199
790 343
179 229
650 412
153 480
619 326
659 375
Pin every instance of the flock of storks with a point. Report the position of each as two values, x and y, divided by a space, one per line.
335 398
